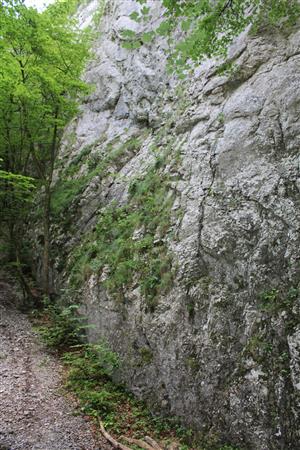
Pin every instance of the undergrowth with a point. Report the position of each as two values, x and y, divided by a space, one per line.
61 327
89 376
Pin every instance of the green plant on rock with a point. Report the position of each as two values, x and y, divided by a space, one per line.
228 447
274 301
146 355
65 192
208 28
258 348
128 244
70 185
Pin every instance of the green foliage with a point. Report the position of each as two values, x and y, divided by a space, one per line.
91 366
64 193
209 27
70 185
99 12
91 362
42 56
228 447
16 195
269 298
128 242
274 301
89 377
146 355
63 327
257 344
193 364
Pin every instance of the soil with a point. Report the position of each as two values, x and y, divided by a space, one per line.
34 412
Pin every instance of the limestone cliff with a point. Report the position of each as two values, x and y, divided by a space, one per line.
177 223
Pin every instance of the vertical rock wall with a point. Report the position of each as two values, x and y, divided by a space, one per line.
220 346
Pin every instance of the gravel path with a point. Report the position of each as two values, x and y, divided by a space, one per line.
34 415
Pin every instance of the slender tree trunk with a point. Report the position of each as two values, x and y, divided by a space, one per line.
11 249
46 249
16 242
47 209
27 295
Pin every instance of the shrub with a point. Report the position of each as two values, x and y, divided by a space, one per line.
63 327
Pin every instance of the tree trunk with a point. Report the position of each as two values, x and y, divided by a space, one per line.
46 249
47 209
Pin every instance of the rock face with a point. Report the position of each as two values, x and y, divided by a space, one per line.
218 343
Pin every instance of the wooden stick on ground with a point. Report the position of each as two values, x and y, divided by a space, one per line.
139 443
153 443
110 439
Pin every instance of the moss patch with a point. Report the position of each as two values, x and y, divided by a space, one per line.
146 355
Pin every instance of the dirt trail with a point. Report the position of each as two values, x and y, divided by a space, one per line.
34 415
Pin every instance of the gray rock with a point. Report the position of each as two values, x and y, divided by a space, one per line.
221 362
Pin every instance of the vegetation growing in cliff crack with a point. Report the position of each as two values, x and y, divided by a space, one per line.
127 246
98 164
274 301
268 345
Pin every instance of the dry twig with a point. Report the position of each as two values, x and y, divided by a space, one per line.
153 443
110 439
138 442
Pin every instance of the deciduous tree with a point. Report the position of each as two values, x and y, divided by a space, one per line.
42 56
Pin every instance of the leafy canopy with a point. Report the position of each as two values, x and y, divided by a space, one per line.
205 28
42 56
16 195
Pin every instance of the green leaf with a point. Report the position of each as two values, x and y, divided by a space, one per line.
131 45
186 25
128 34
147 37
135 16
145 10
164 28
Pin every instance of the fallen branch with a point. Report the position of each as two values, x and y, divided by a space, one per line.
110 439
138 442
148 444
174 446
153 443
